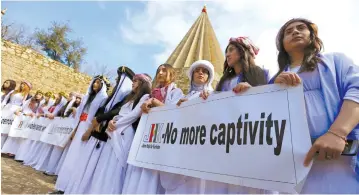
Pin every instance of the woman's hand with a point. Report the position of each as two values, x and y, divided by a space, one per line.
86 136
50 116
288 78
204 94
73 112
181 100
146 106
241 87
111 126
329 146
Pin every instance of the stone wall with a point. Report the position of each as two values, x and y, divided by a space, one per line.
20 63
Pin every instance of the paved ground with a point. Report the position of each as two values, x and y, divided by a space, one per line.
19 179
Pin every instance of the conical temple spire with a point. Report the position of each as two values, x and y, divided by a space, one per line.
200 43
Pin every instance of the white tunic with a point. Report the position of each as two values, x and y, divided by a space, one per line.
146 181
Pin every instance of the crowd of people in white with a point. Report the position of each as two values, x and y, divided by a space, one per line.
89 164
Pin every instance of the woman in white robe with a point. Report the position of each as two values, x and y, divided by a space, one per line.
26 145
96 137
46 149
146 181
17 99
201 75
36 146
6 90
95 98
57 152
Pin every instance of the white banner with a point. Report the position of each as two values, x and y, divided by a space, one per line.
59 131
36 127
7 117
19 126
257 139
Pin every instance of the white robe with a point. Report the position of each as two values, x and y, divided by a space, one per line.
12 144
68 167
91 151
109 175
146 181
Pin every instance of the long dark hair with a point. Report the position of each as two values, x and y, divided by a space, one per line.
252 73
311 57
74 105
135 96
11 87
93 93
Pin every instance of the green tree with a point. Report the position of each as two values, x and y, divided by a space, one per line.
59 47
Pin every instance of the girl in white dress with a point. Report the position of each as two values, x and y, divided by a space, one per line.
6 90
146 181
95 97
96 137
109 175
17 99
34 104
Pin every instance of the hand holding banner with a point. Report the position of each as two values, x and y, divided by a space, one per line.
251 139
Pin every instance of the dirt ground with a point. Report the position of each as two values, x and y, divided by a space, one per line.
19 179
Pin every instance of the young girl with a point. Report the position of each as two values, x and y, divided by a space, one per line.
46 149
240 73
96 95
33 104
6 90
35 147
57 151
201 74
91 151
146 181
331 91
41 149
17 98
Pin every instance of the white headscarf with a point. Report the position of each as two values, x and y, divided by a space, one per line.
194 89
124 87
97 102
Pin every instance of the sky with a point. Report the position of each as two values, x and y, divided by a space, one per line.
142 34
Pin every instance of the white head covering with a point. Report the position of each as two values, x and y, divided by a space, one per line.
207 65
123 88
97 102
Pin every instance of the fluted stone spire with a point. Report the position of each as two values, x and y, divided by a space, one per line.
200 43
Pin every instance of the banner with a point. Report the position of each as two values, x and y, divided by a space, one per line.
19 126
257 139
36 127
59 131
7 117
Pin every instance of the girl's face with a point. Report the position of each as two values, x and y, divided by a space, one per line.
96 86
232 55
47 98
296 36
78 100
38 96
22 86
6 84
200 76
58 99
161 76
135 84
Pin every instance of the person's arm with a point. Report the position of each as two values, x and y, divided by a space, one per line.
124 121
106 116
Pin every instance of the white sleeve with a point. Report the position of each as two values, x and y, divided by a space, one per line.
127 120
176 95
